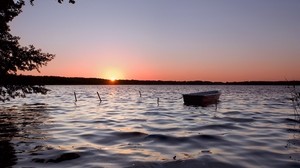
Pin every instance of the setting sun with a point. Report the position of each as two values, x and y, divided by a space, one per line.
112 74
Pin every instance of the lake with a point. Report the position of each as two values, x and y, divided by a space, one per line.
252 126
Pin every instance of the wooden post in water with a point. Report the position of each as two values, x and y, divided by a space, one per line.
158 101
99 97
216 105
140 93
75 96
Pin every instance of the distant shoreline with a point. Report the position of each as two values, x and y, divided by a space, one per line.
58 80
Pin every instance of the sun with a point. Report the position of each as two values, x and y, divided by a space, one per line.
112 79
112 74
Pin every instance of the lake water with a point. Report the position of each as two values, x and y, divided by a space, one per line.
252 126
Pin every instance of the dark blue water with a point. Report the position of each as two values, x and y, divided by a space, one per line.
252 126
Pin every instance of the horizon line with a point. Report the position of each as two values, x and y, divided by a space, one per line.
160 80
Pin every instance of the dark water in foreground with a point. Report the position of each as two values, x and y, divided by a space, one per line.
253 126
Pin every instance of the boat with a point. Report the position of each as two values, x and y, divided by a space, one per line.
202 98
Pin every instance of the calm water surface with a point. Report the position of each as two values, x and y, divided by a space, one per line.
252 126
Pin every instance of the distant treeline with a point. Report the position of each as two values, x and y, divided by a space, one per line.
56 80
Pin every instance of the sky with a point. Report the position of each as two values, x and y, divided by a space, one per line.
210 40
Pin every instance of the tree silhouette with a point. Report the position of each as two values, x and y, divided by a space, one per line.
14 57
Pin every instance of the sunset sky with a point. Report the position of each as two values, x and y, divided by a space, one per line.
215 40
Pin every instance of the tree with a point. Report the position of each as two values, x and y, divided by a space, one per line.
14 57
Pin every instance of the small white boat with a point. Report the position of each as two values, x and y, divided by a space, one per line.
202 98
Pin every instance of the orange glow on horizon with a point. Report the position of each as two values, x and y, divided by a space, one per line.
112 74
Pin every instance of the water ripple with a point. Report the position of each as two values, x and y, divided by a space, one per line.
252 126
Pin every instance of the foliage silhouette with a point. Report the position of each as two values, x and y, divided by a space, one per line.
296 101
14 57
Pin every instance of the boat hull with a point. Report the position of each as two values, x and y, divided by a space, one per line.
201 98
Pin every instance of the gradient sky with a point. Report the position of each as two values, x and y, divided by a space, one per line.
216 40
